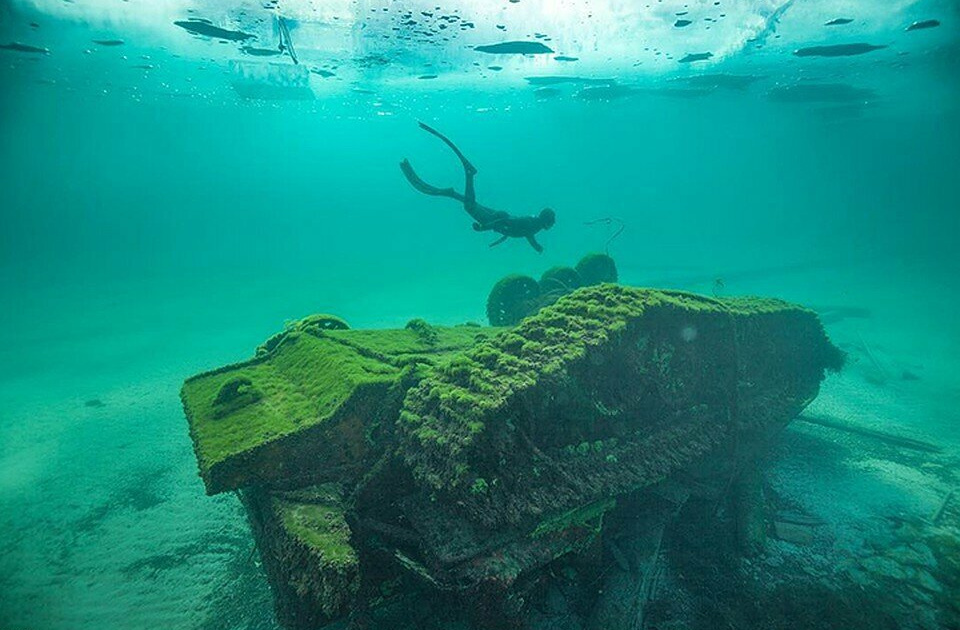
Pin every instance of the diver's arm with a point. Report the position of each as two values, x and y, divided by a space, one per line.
499 240
534 244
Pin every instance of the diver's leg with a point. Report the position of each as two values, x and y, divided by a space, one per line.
469 193
499 240
534 244
426 188
467 166
469 171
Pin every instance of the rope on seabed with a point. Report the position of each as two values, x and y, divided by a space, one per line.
609 221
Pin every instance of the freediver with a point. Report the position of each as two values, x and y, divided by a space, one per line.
485 219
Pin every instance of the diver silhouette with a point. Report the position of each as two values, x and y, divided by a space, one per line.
485 219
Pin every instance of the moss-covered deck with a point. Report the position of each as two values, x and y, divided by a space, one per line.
300 411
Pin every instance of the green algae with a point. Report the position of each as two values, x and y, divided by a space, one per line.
475 401
307 548
322 528
309 324
233 395
424 331
301 393
590 515
597 269
559 280
487 454
449 409
304 384
401 346
516 296
512 299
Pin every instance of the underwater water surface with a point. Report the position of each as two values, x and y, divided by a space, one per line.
178 180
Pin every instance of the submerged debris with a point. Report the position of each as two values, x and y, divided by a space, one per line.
515 48
682 23
935 517
837 50
838 21
883 436
907 375
206 29
878 375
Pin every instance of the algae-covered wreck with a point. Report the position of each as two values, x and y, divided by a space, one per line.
438 476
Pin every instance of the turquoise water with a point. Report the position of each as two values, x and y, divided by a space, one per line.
160 218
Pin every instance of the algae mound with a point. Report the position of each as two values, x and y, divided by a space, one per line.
597 269
512 299
517 296
562 280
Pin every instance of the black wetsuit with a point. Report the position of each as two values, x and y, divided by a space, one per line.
485 219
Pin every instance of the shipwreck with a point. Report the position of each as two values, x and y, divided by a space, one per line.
453 476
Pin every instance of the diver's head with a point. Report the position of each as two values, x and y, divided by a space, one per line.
547 218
